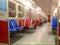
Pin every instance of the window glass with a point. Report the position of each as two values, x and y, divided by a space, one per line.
12 9
20 12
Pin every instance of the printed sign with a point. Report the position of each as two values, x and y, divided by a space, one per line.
2 7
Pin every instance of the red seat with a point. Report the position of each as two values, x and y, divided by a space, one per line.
21 22
4 32
28 22
33 22
37 22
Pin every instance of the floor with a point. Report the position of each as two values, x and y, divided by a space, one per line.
41 35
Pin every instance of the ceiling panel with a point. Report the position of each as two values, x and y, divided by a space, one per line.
46 5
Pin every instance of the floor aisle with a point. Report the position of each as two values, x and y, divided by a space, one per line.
40 36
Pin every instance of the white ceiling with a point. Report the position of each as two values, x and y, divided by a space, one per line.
46 5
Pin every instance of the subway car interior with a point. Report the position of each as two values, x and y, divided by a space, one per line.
29 22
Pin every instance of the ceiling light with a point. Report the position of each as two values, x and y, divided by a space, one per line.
38 9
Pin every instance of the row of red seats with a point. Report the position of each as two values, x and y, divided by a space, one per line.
28 22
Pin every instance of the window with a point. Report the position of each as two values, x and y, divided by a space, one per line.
20 12
12 9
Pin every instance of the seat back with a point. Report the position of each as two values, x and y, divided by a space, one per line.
15 25
33 22
54 22
11 28
37 22
21 22
28 22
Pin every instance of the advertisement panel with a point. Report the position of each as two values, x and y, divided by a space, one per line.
2 7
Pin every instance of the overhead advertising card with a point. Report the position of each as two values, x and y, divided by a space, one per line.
2 7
